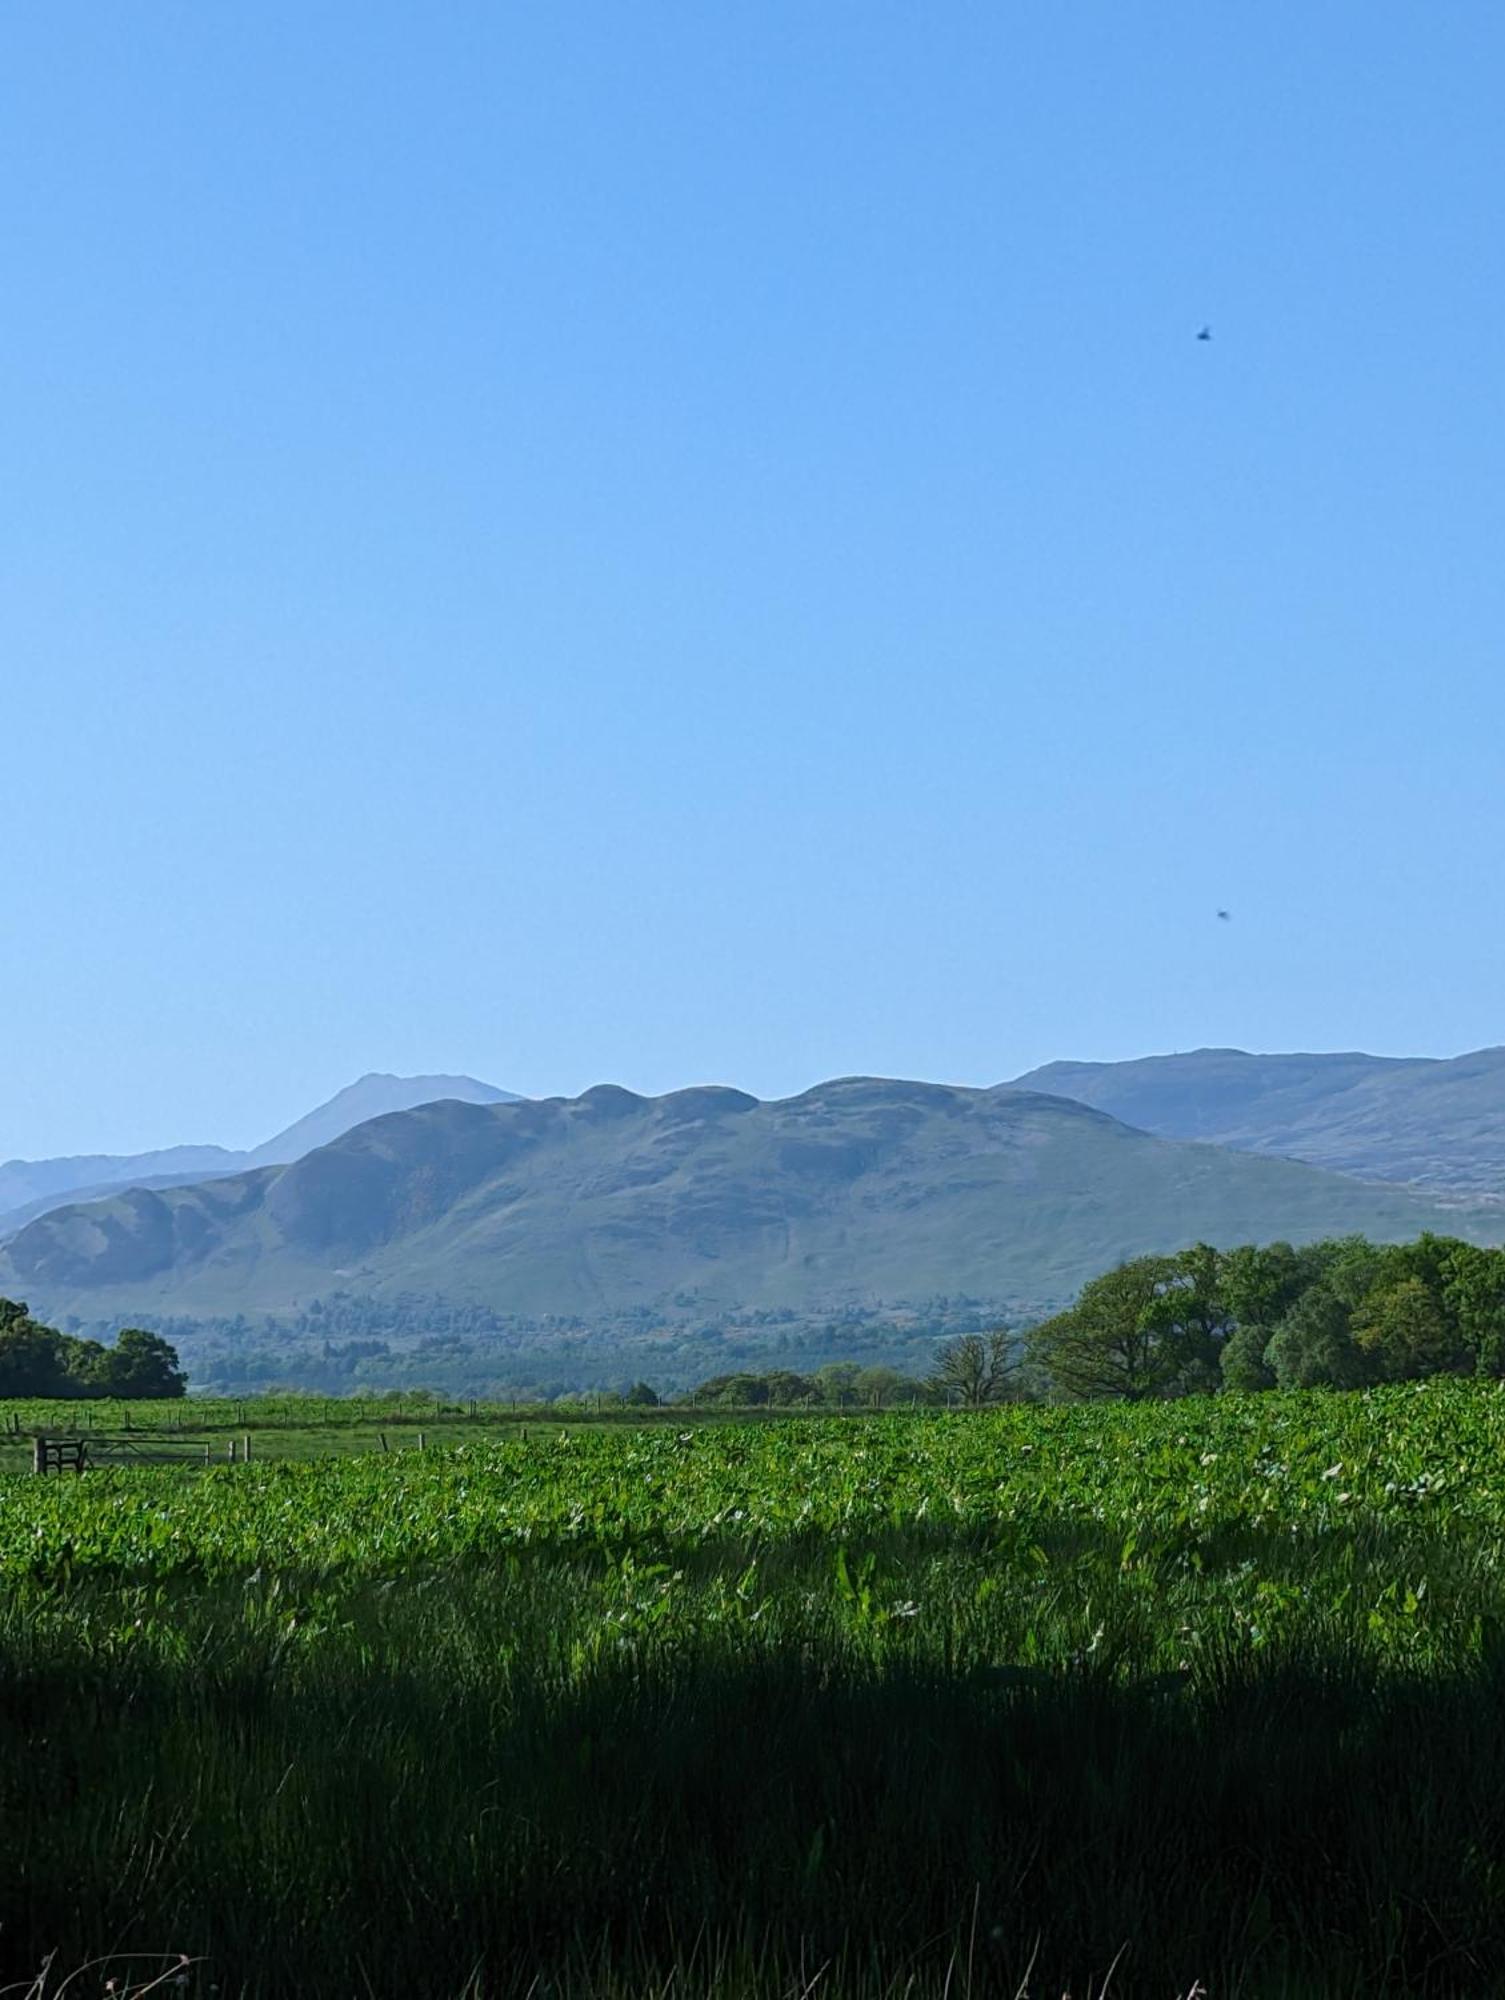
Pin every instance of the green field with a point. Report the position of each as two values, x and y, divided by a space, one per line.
1196 1691
204 1430
213 1431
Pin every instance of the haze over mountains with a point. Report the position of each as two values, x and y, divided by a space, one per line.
29 1187
490 1238
1438 1123
862 1190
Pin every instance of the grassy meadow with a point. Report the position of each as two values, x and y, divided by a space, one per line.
1033 1700
201 1430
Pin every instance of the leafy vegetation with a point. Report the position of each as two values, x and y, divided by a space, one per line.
1340 1314
37 1360
1204 1686
902 1703
840 1385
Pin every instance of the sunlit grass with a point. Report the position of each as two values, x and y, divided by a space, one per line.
1213 1689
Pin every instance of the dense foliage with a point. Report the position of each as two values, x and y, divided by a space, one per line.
1341 1313
37 1360
839 1385
1291 1464
916 1699
1294 1465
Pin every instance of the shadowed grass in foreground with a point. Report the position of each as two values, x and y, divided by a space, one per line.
1206 1693
478 1782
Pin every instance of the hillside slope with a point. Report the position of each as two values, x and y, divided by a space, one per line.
1440 1124
861 1190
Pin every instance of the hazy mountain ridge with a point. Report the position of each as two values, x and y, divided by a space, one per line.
24 1183
859 1190
29 1188
16 1218
371 1096
1438 1123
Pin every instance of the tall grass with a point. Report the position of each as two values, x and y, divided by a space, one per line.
930 1750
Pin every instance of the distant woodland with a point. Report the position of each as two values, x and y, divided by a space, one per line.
1340 1313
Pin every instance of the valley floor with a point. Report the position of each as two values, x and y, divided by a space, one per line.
1205 1692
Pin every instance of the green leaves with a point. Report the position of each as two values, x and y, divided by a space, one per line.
987 1535
1333 1314
38 1361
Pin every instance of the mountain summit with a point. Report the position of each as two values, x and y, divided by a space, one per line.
371 1096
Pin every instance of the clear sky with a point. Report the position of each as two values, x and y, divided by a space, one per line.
672 543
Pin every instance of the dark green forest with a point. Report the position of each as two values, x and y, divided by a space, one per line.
37 1360
1342 1313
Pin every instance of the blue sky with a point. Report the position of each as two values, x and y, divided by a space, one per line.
676 543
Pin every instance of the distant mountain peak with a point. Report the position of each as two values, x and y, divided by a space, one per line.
373 1095
29 1188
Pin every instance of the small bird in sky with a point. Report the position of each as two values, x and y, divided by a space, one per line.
1205 334
1225 916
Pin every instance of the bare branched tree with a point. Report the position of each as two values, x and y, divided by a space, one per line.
974 1367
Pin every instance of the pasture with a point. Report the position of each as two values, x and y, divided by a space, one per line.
202 1430
1033 1699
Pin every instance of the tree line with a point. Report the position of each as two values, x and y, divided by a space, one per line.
839 1385
37 1360
1343 1313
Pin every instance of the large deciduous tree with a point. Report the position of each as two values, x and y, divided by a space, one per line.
1474 1290
1405 1330
1150 1328
141 1364
1313 1347
32 1359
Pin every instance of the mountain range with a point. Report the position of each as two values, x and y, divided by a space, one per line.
862 1190
1438 1123
28 1188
